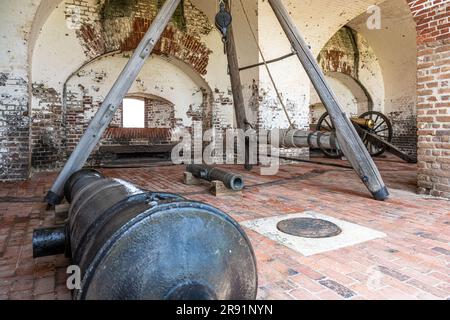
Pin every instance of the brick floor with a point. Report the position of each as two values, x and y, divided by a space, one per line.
412 262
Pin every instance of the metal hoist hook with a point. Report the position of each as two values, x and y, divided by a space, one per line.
223 21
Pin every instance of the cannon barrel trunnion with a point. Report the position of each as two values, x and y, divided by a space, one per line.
133 244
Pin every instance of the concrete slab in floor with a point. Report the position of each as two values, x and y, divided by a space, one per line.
411 262
351 234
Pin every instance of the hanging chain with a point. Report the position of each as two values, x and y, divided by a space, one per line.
280 98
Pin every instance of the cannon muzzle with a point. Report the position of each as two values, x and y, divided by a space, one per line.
49 241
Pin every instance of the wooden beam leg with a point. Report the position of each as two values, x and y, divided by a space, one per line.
104 115
348 138
238 96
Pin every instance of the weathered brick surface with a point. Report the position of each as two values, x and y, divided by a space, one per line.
14 127
404 124
432 18
410 263
160 114
47 129
110 26
340 54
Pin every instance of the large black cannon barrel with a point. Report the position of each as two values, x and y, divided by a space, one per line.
133 244
230 180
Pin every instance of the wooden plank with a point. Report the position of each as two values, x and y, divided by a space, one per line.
349 140
134 163
163 148
190 180
218 189
112 101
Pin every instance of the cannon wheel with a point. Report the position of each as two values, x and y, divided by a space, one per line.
382 128
325 124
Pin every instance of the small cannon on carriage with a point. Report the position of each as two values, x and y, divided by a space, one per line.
376 132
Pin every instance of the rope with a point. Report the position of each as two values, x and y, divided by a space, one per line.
267 67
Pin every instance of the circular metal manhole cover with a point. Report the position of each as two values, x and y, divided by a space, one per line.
309 228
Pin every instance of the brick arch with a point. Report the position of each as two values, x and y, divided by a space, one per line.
108 29
340 54
173 42
204 114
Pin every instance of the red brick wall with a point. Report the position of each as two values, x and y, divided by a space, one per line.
433 74
160 114
173 42
114 25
